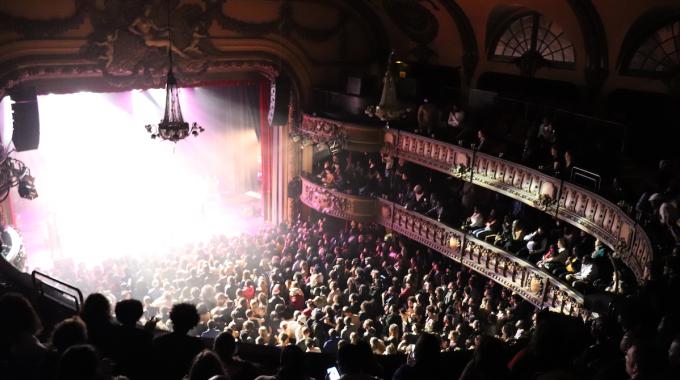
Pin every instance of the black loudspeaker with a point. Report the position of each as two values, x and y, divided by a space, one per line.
26 135
279 101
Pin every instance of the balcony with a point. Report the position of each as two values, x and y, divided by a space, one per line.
566 201
536 286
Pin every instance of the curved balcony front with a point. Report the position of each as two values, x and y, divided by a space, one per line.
568 202
354 137
536 286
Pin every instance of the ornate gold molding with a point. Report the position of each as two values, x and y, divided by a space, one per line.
355 137
536 286
576 206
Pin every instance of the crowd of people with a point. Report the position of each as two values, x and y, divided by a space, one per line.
317 288
564 251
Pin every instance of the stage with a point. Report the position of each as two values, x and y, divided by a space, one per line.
107 190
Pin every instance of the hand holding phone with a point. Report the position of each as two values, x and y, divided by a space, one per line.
332 374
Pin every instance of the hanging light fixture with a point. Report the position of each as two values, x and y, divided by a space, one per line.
389 108
172 127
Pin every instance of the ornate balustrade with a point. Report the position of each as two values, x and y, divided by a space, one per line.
531 283
355 137
573 204
337 204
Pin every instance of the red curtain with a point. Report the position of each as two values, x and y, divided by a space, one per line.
266 148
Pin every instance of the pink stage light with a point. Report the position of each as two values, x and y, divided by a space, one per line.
108 190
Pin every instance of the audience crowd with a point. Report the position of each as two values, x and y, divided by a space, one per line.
315 288
347 292
564 251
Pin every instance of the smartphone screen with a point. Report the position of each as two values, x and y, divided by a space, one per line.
333 373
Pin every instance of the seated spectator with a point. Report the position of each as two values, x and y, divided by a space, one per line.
585 276
236 368
491 226
205 366
174 352
132 344
536 244
417 200
556 259
516 240
474 221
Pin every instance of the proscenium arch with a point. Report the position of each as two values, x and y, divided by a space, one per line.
65 71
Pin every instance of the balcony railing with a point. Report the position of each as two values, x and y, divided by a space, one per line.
568 202
355 137
573 204
534 285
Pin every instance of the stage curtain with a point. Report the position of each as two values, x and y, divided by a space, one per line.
266 148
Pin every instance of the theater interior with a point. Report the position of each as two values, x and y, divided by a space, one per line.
339 189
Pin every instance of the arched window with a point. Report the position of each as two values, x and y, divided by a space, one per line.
534 35
659 53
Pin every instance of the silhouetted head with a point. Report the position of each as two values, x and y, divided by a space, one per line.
67 333
427 349
292 363
349 360
96 308
205 365
184 317
78 363
128 312
225 346
17 318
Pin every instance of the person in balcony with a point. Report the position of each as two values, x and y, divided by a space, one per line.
546 132
482 144
557 258
536 244
585 277
474 221
553 163
516 240
504 234
428 116
491 226
417 200
567 164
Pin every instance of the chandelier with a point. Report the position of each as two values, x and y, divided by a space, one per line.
15 173
172 127
389 108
